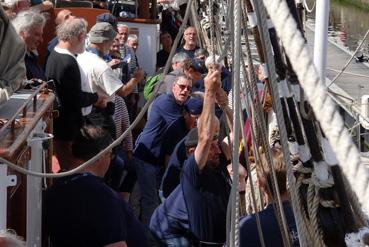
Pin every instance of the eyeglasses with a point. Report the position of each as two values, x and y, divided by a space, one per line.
183 87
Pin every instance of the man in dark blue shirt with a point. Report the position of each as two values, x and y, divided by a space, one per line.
179 128
148 150
190 42
163 55
171 177
196 210
81 210
271 230
177 156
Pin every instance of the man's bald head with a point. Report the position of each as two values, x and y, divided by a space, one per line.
62 16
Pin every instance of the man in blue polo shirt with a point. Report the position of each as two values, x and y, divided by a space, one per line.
148 154
195 212
177 156
81 210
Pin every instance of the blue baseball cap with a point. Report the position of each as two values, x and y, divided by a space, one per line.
194 106
107 17
198 65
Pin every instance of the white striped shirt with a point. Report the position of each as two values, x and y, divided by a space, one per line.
121 120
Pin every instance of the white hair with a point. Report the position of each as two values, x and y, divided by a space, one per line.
10 3
71 28
132 37
210 60
180 57
26 20
11 239
122 25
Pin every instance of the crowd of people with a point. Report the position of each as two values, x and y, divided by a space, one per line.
180 160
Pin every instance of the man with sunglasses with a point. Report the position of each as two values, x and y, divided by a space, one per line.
148 151
194 214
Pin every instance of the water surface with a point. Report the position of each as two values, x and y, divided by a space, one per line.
347 25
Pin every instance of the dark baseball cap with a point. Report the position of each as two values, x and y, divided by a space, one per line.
192 138
107 17
198 65
194 106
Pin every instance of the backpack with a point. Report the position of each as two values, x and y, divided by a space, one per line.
150 84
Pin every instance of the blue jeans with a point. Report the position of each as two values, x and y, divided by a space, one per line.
147 175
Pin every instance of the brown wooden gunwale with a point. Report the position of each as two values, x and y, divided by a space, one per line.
14 137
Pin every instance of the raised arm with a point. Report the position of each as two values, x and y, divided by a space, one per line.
126 89
222 101
207 122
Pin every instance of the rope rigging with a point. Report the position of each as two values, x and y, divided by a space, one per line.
309 10
236 121
280 118
330 121
296 128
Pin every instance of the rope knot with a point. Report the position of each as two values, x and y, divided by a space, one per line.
322 184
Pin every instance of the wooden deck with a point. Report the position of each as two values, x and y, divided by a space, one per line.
350 85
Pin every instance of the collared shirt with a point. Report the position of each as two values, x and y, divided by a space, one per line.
34 70
190 53
81 210
129 57
249 234
206 194
171 177
197 207
100 76
149 143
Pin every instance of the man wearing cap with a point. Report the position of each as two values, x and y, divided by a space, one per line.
148 152
101 77
195 212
